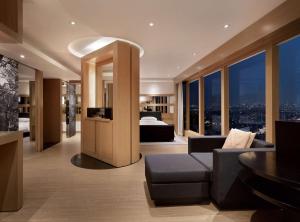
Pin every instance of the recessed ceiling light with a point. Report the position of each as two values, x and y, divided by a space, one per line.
73 23
226 26
22 56
151 24
194 54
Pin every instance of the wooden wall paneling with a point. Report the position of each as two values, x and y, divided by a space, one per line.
32 113
39 112
11 21
52 112
224 101
121 105
272 91
135 103
99 87
201 107
84 100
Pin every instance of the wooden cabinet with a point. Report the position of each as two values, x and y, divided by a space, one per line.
98 139
89 139
104 141
11 171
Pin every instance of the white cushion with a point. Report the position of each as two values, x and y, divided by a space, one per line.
148 118
236 139
23 119
250 141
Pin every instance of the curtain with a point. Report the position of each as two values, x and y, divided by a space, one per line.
180 109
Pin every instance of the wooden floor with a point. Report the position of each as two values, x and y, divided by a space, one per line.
55 190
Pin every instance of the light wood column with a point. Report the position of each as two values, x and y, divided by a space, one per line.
135 111
272 92
32 114
201 106
121 105
187 116
224 101
39 123
176 108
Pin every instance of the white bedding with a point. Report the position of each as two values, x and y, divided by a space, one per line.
151 122
24 124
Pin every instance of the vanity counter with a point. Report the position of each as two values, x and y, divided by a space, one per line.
11 171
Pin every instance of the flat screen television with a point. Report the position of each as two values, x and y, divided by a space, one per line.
287 140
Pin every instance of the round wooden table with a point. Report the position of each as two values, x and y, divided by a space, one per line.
277 182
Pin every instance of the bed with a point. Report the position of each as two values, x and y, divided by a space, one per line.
24 124
153 129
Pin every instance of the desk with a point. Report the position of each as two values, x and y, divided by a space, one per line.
274 181
11 171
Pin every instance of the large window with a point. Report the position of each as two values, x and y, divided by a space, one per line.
289 71
212 98
194 106
247 95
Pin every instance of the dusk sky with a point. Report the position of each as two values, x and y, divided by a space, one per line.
247 81
212 89
289 66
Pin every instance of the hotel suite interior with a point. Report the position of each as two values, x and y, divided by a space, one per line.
150 110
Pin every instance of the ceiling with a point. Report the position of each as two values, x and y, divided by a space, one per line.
184 31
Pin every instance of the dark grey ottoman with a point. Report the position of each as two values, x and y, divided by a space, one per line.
176 179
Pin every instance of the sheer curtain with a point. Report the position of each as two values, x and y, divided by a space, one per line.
180 109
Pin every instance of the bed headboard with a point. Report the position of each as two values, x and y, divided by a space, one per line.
155 114
23 115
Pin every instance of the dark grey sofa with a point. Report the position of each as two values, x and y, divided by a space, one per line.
206 171
227 191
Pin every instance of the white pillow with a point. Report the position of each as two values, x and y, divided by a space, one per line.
250 141
237 139
149 118
23 119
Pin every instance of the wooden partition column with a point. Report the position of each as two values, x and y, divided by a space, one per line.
38 111
187 116
113 141
52 112
272 91
201 106
224 101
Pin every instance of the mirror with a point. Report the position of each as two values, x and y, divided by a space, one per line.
104 85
